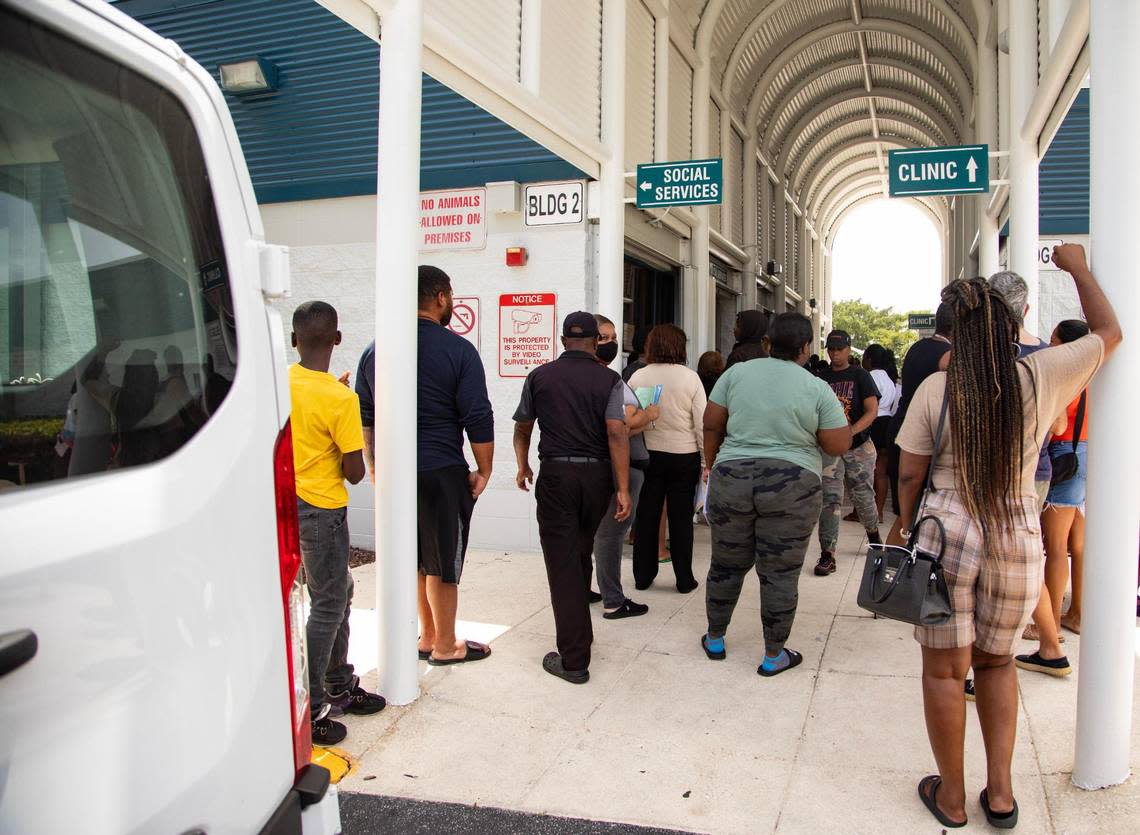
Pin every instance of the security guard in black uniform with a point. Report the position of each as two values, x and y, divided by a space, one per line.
584 452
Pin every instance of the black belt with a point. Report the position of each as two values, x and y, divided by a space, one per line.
576 459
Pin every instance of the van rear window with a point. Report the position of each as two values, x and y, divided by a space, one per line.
117 338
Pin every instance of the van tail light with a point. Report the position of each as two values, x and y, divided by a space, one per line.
292 596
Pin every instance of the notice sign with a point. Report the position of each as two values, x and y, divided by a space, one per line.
550 204
453 219
527 327
465 319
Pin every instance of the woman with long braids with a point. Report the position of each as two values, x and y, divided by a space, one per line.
1000 410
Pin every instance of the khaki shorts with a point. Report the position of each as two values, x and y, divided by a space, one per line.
993 594
1042 488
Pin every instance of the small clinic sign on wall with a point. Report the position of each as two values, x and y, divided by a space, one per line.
527 332
455 219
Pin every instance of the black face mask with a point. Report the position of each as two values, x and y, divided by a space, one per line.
607 352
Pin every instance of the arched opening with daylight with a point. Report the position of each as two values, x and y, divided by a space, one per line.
889 254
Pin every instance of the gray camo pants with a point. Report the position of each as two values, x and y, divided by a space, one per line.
762 512
856 468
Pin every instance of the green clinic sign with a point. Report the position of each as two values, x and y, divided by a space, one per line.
959 169
698 182
920 321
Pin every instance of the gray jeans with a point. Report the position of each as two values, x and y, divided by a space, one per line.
324 550
609 541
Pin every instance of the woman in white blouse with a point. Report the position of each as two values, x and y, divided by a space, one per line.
880 362
675 442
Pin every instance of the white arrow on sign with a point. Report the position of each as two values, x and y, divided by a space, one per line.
972 167
646 186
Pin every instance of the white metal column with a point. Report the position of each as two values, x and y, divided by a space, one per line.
781 255
985 121
751 207
1108 627
1023 220
700 340
611 230
397 260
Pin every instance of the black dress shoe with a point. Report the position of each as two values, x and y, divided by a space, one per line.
640 586
687 587
552 663
593 597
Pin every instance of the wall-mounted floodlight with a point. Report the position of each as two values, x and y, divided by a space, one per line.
774 269
254 75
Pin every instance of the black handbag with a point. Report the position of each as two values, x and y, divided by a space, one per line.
1066 466
908 584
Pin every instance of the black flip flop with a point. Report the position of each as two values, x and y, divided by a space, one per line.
715 656
475 652
933 781
424 654
998 820
794 660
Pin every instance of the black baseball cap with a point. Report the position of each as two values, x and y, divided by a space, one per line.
837 340
580 325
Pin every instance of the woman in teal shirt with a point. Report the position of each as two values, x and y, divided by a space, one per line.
765 425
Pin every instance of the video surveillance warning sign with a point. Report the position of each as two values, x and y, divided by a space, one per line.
527 332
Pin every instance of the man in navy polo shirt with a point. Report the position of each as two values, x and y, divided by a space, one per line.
452 399
579 405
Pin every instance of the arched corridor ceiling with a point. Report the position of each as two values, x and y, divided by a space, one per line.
830 86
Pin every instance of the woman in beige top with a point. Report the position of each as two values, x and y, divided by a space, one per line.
674 443
999 411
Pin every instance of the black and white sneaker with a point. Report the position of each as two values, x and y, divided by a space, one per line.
826 564
628 609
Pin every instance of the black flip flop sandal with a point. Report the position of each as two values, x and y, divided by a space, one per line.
475 652
714 656
424 654
998 820
929 800
794 660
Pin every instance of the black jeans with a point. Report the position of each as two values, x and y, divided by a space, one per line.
572 499
674 477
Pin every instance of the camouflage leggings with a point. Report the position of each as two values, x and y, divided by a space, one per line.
857 469
761 511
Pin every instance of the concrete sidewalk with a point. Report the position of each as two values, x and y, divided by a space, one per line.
663 737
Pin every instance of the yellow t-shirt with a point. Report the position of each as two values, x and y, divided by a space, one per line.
326 426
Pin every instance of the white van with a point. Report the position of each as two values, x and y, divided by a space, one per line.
152 665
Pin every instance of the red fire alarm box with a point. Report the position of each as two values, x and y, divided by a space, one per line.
516 256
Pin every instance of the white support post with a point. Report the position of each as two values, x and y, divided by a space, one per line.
985 121
782 252
530 43
397 261
661 89
1023 219
701 339
611 229
803 284
751 207
764 252
1108 633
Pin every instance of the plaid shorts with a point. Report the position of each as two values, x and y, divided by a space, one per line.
993 595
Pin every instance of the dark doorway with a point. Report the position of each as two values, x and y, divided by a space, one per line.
650 299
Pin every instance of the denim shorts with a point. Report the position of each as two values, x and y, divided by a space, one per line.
1070 493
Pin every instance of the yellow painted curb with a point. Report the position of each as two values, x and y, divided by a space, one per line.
339 763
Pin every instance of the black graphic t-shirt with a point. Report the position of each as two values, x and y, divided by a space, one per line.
852 386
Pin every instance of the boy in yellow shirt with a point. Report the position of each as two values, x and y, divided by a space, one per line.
327 444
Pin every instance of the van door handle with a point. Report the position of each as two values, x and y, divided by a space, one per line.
17 648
